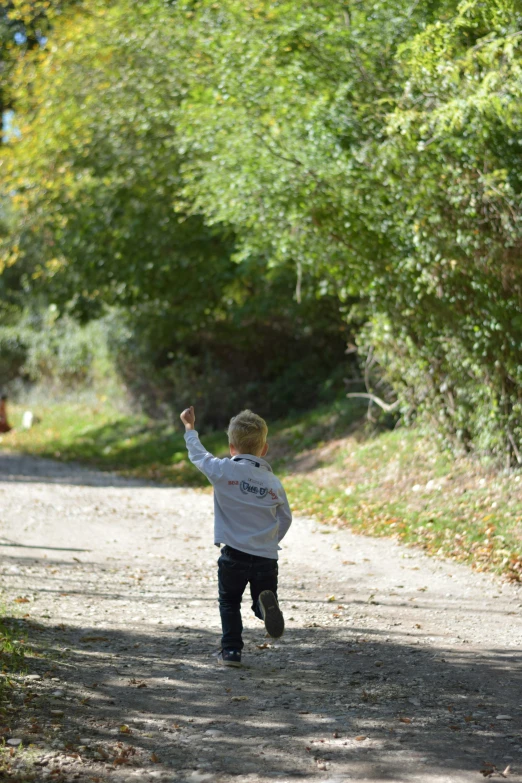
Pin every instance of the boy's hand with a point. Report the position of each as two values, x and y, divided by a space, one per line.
188 417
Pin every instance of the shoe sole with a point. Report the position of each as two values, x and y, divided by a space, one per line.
221 662
273 617
229 663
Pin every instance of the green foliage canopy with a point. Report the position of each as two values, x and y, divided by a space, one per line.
372 153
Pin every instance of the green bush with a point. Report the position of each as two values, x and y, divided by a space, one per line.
13 351
43 348
464 397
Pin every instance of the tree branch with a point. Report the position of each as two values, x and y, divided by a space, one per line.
384 405
293 160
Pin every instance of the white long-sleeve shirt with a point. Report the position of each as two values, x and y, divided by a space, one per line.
251 511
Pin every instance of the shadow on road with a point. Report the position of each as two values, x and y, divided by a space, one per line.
315 702
5 542
38 470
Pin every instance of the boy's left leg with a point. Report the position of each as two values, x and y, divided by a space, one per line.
232 580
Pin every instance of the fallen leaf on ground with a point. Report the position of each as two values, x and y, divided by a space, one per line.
22 600
405 720
489 769
138 683
361 738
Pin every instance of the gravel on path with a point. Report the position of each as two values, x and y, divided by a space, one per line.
393 666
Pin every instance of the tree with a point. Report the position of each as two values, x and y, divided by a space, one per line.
383 153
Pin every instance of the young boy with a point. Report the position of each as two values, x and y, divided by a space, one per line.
251 516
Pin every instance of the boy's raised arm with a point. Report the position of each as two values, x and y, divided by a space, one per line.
210 466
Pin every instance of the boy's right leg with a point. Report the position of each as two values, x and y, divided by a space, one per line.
232 580
263 588
271 614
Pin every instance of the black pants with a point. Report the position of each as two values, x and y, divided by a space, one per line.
235 570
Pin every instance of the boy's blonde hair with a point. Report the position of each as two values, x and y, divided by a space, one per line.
247 432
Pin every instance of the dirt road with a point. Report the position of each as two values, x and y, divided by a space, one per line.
394 667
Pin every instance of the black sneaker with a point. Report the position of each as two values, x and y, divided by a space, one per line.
230 657
272 615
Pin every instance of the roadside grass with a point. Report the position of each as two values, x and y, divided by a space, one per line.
103 437
12 659
399 484
335 467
